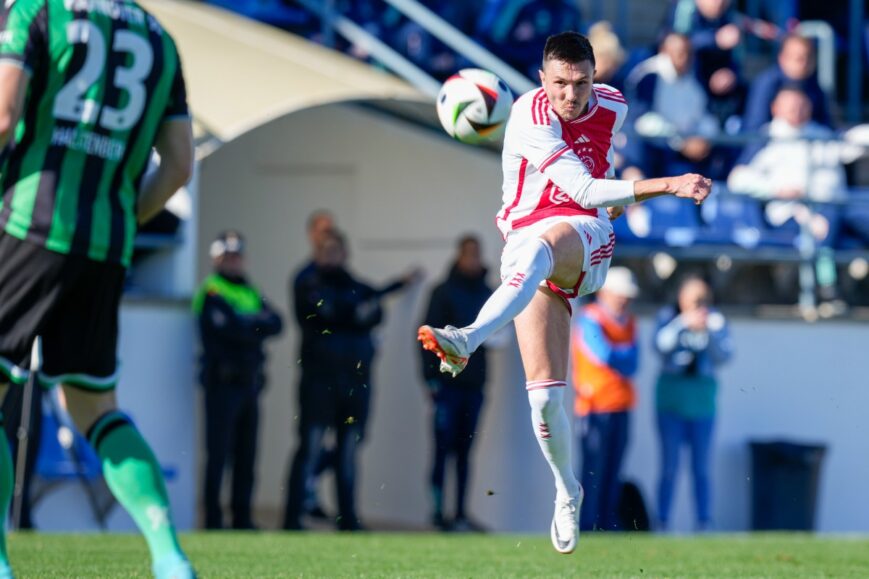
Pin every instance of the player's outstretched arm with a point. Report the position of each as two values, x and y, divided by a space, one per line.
688 186
175 145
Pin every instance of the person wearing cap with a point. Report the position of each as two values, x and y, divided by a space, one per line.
693 341
234 322
605 358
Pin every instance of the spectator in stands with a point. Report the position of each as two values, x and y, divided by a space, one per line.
370 15
337 314
795 68
457 400
715 30
234 322
516 29
609 55
605 358
285 14
787 172
667 101
693 341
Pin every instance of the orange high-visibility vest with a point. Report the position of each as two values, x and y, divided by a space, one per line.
598 387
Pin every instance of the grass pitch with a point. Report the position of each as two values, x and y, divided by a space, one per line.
240 555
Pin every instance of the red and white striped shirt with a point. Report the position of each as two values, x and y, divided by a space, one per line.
549 163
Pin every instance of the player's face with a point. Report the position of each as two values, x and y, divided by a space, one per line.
568 86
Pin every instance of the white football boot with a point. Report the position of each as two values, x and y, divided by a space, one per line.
565 523
449 344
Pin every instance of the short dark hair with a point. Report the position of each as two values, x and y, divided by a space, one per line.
568 47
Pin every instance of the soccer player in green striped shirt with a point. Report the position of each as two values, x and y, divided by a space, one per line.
87 90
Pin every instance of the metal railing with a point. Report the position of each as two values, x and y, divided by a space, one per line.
434 25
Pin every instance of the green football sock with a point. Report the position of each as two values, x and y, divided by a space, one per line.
7 482
133 474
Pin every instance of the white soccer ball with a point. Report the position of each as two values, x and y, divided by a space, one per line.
473 106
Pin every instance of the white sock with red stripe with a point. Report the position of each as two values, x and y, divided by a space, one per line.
533 266
552 429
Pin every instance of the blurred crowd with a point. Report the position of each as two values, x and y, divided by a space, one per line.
718 92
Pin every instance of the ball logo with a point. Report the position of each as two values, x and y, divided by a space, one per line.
588 161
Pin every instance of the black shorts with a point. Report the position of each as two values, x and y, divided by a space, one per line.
71 302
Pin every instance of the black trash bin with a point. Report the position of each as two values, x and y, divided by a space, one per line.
784 485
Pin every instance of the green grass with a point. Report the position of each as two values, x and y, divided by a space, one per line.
425 555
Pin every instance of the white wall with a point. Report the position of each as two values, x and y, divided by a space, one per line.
404 195
789 380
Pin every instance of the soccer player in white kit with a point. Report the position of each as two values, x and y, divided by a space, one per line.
558 203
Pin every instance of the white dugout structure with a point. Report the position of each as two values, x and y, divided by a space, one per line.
285 127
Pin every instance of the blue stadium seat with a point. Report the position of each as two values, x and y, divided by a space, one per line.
732 220
65 456
738 220
663 221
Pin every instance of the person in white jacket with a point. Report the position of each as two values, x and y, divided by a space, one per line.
801 162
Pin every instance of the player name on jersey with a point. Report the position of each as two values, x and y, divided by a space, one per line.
88 142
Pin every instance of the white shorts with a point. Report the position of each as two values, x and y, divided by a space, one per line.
598 241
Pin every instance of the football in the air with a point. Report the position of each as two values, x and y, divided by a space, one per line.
473 106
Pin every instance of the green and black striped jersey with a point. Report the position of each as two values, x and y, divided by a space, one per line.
104 76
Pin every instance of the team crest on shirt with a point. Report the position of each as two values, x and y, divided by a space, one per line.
588 161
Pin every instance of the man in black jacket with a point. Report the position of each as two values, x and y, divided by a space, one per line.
234 321
337 314
457 401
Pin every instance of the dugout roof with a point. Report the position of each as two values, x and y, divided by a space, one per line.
242 74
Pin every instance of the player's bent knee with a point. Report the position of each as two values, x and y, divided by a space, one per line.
568 254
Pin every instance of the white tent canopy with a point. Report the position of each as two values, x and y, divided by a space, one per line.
242 74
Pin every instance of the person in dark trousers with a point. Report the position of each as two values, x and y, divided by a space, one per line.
605 359
337 314
693 341
456 401
234 322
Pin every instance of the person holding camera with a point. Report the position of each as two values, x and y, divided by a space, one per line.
693 340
